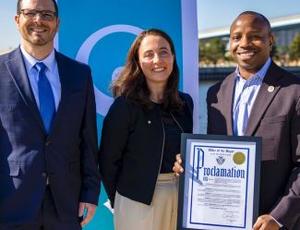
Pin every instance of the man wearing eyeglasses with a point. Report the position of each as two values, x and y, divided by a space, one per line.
48 141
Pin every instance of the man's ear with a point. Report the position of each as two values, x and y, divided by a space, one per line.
58 24
17 18
272 40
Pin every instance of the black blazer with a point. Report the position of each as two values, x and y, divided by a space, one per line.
275 117
67 154
131 147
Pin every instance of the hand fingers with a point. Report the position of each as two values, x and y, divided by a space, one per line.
256 227
178 158
90 212
266 222
177 169
81 209
257 224
176 174
177 165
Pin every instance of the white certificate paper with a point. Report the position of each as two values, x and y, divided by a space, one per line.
220 182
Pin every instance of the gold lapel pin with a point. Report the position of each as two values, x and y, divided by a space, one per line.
271 88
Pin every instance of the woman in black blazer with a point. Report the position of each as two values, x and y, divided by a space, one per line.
141 136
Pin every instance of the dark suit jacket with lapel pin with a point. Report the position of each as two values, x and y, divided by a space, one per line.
67 156
275 117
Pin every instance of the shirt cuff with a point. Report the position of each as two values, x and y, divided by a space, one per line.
280 225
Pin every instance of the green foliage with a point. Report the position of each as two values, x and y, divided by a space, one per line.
281 54
294 48
212 51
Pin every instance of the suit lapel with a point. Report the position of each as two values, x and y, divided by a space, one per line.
16 68
267 92
227 101
66 84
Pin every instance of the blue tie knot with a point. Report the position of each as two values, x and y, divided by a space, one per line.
41 67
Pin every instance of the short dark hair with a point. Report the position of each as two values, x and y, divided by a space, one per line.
19 3
256 14
132 84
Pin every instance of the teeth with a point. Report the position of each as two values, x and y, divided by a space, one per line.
159 69
246 54
38 30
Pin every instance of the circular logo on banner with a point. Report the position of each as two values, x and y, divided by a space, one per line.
103 101
239 158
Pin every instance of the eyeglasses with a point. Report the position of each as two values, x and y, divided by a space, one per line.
46 15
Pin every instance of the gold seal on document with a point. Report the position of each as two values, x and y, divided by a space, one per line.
239 158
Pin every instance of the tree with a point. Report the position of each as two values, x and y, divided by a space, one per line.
294 48
281 54
212 51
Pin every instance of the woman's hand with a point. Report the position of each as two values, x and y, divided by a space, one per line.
177 168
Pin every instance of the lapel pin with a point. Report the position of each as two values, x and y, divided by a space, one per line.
149 122
271 88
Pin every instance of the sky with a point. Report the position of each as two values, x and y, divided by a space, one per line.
211 14
220 13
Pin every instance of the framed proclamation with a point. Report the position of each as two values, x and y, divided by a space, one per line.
219 189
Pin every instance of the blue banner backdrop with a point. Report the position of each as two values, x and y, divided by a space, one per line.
99 33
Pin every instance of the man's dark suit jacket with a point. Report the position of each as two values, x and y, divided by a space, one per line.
28 155
275 117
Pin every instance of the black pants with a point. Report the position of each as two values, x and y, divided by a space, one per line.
47 219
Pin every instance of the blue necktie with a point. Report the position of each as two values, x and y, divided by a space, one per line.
46 98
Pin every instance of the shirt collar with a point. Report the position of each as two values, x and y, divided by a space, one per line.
258 76
30 61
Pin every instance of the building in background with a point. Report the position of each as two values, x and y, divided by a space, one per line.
214 43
